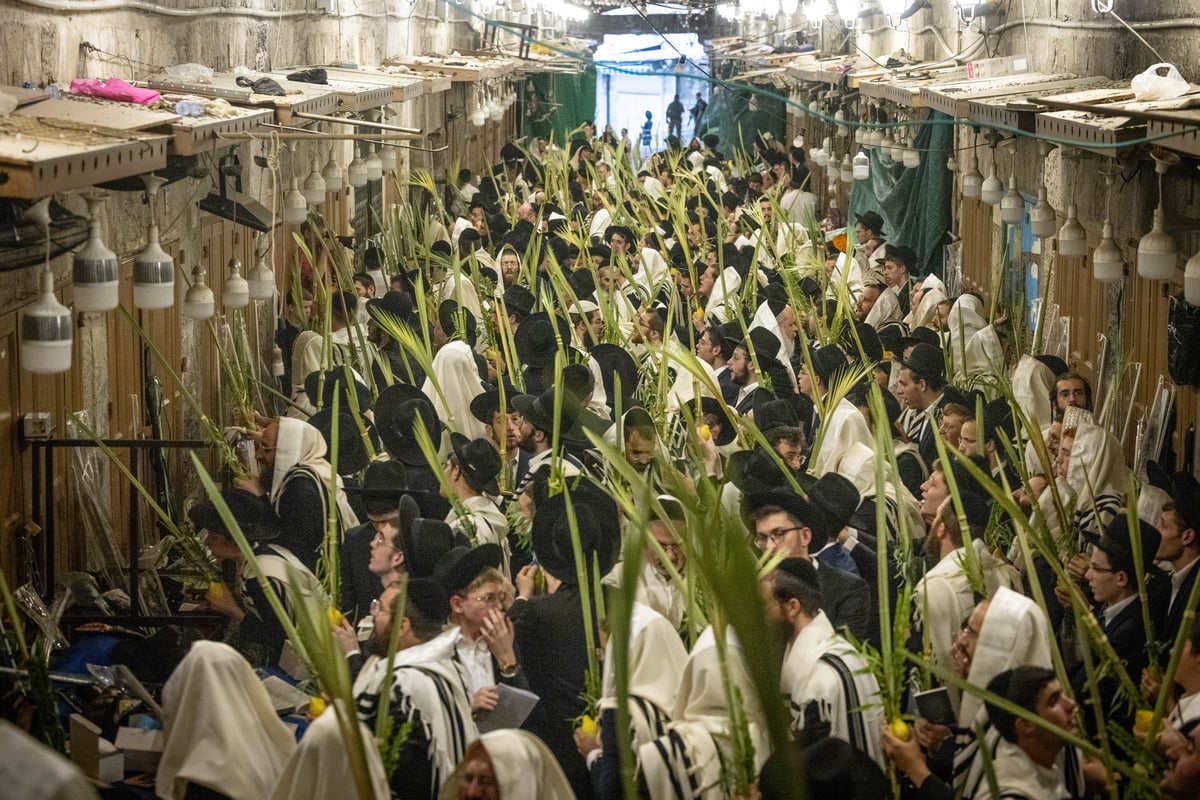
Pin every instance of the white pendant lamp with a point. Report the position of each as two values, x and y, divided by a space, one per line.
972 180
824 154
374 164
847 170
952 163
1191 281
1108 264
153 268
46 325
887 143
295 207
911 157
1012 205
261 280
1072 238
897 151
1042 217
861 166
992 190
95 272
335 180
387 157
198 302
356 173
314 186
236 291
1157 254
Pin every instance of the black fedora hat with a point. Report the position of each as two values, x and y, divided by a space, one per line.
926 360
766 348
920 335
519 300
596 521
827 361
484 405
396 413
423 541
535 342
539 411
755 468
383 486
835 499
459 566
1117 542
891 336
352 455
429 598
395 304
625 232
616 363
788 500
771 414
724 415
457 321
322 385
478 460
1184 491
871 220
252 514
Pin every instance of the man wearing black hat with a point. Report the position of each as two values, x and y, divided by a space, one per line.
259 636
742 368
471 469
394 308
371 557
713 349
831 689
868 225
427 692
787 524
843 425
920 384
536 432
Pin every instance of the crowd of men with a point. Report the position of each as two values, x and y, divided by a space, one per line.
671 354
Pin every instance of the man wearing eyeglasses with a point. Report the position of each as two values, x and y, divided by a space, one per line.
788 525
656 586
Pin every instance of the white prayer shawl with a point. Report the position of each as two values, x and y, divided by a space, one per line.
458 287
425 679
1097 475
300 448
885 310
718 177
985 356
654 270
656 660
599 402
461 224
32 771
846 272
925 314
685 387
457 376
941 601
482 522
1033 383
601 219
964 321
799 206
653 187
724 295
844 428
1019 778
347 346
660 593
524 767
616 308
691 759
822 668
320 767
222 731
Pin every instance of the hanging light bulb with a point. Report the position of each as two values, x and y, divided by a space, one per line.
96 274
261 280
897 152
314 186
842 130
911 157
1042 218
887 143
1108 263
356 173
1072 238
992 189
972 180
952 163
46 329
847 170
335 180
153 268
295 207
862 166
198 302
374 164
824 155
1012 205
387 157
1157 254
1191 280
236 291
497 114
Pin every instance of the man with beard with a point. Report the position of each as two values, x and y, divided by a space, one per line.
427 693
656 588
535 428
501 429
831 689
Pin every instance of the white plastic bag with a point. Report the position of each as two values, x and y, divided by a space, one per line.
1160 82
192 73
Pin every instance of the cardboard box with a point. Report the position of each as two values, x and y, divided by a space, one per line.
142 748
96 756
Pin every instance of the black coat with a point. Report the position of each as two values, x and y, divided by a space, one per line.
846 600
553 647
359 585
1174 614
1127 635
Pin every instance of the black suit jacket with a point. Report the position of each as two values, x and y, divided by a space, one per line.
1174 615
846 600
1127 635
552 645
359 585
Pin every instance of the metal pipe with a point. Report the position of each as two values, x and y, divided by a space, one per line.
377 140
357 123
244 136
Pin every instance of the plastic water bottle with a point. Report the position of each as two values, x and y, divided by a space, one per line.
189 108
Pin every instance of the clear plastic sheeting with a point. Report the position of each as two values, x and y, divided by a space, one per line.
31 605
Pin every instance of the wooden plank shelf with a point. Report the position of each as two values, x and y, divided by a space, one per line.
1016 111
953 99
305 98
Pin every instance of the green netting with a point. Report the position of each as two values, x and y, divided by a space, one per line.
914 203
576 96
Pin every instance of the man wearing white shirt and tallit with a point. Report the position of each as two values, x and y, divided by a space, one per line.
455 379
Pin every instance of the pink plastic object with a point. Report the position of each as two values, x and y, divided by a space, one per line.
114 89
